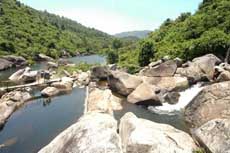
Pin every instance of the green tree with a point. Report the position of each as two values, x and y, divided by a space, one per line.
116 44
112 57
146 53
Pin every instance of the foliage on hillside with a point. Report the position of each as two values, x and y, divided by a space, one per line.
189 36
27 32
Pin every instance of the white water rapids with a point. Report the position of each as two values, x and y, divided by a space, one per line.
185 98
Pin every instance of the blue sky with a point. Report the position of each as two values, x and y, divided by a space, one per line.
114 16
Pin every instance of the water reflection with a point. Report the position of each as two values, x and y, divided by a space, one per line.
35 125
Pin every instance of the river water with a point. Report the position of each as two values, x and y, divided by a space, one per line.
39 121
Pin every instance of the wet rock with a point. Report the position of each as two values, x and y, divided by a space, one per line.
102 101
5 64
100 72
123 83
43 57
144 136
214 135
172 97
50 92
211 103
165 69
93 133
17 61
200 68
144 94
168 83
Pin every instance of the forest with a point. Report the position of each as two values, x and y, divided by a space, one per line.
26 32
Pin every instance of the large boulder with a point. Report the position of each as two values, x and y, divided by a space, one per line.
123 83
93 133
17 61
66 84
24 75
5 64
100 72
211 103
144 136
165 69
200 68
50 92
104 101
145 94
214 135
168 83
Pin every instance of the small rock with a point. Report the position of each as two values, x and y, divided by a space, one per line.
224 76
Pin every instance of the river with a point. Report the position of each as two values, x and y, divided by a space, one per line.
39 121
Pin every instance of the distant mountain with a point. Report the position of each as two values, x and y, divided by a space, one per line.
138 34
25 31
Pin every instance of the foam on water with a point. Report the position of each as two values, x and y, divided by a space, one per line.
185 98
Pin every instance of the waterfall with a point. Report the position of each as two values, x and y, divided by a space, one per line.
186 97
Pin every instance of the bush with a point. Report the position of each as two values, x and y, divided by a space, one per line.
146 53
112 57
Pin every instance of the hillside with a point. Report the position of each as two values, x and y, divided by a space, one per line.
188 36
138 34
25 31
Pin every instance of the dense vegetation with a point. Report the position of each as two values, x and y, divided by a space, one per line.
189 36
25 31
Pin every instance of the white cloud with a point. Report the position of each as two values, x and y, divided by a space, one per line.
104 20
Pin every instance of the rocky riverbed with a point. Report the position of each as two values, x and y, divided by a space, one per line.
160 84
